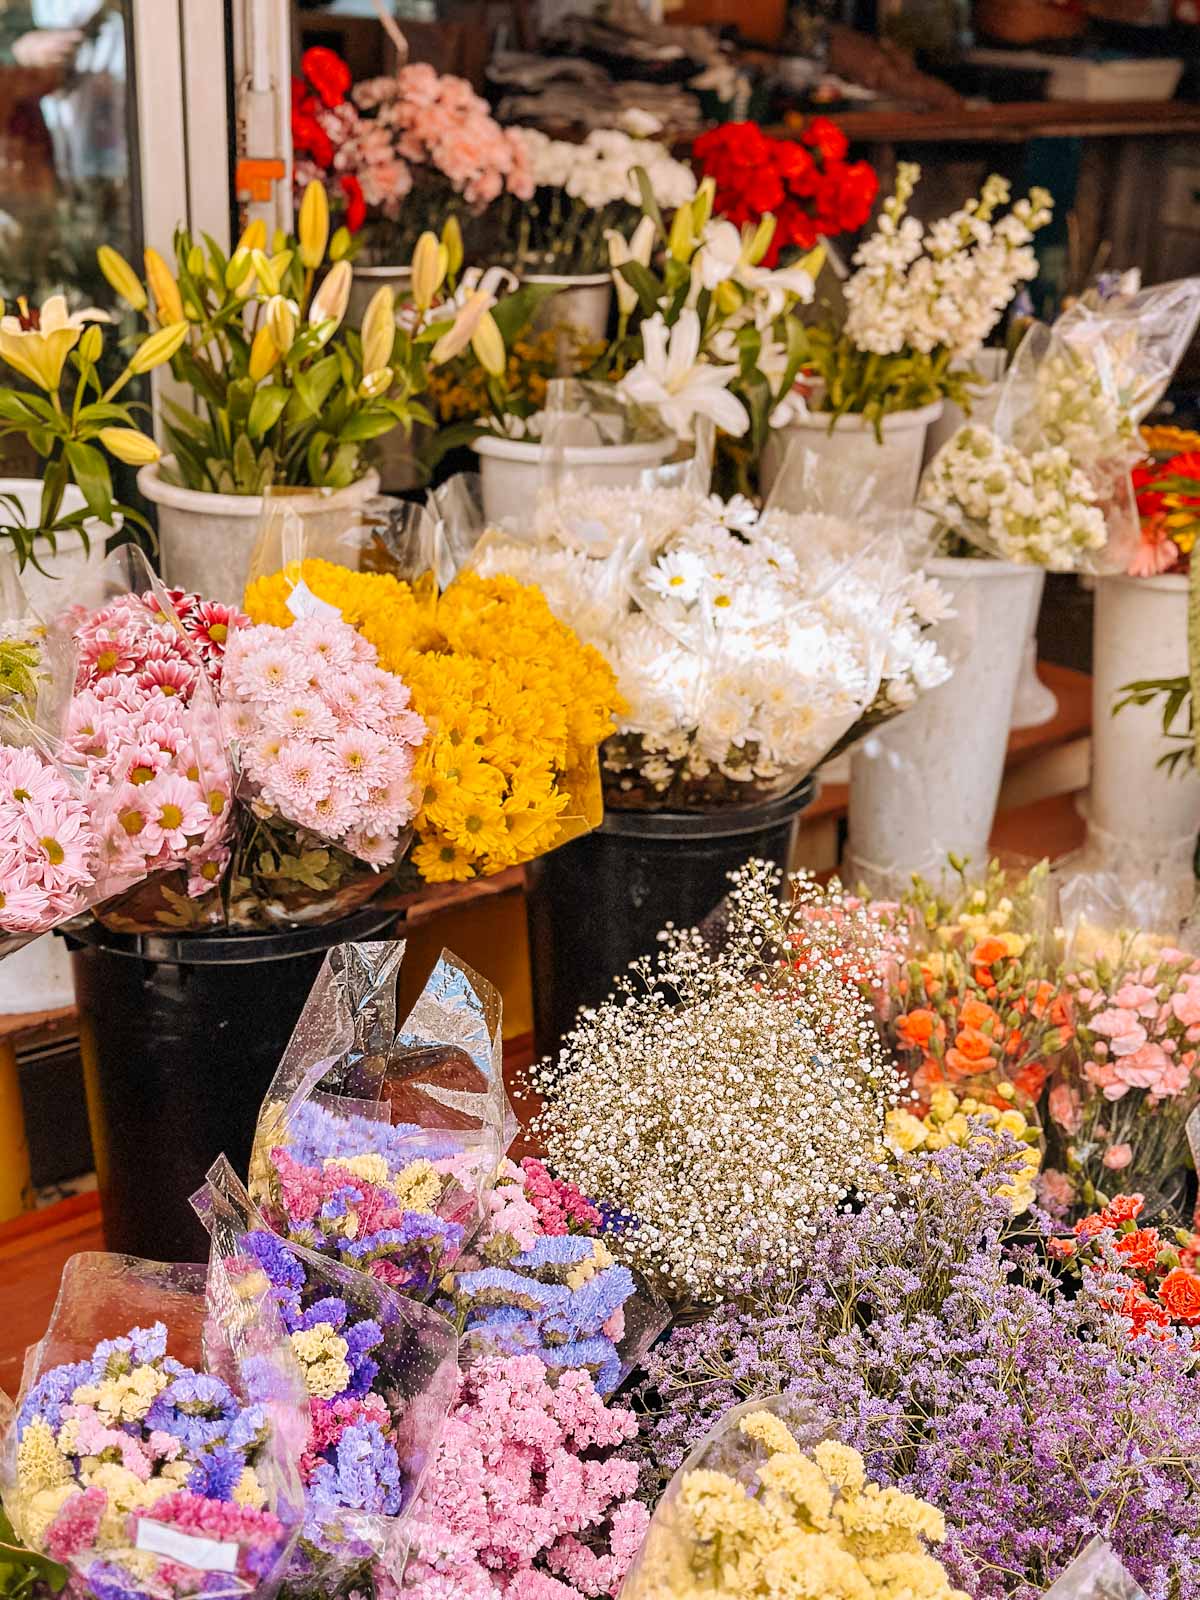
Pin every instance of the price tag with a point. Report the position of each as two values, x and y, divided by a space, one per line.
302 602
206 1555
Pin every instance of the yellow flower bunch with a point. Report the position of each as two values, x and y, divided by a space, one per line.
516 708
955 1119
814 1528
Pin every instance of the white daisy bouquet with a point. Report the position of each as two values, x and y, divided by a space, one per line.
747 646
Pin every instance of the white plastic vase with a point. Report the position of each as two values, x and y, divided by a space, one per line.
853 446
1140 816
583 303
205 540
71 573
928 783
1034 702
512 470
37 977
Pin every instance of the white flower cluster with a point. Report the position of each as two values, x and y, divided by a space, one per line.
944 287
1037 508
746 647
1078 405
599 172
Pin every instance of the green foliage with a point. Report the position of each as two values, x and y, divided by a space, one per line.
1176 697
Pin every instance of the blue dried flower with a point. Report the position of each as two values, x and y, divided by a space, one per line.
217 1472
364 1475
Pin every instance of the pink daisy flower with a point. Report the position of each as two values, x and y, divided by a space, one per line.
175 810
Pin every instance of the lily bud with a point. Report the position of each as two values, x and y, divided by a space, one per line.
427 270
263 353
168 304
618 255
456 338
339 245
91 345
728 297
254 236
681 241
379 329
195 261
702 205
268 278
281 319
641 245
488 344
314 225
121 276
134 448
760 240
376 383
159 347
453 240
331 299
281 260
279 241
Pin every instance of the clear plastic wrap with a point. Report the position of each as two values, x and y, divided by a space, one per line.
377 1141
157 1436
1047 481
1096 1574
380 1373
769 1492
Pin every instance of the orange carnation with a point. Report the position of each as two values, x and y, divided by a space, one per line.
1179 1292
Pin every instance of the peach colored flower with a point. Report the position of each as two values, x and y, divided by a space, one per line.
1065 1107
1118 1156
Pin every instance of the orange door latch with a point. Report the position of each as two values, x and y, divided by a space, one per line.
256 175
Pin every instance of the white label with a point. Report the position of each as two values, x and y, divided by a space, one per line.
302 602
207 1555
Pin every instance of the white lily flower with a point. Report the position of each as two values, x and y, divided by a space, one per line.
675 381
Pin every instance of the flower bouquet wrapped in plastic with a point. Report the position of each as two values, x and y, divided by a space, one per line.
539 1279
747 646
514 704
766 1497
376 1142
379 1373
155 1447
1048 482
1129 1077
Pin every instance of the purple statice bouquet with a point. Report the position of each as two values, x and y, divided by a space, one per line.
379 1374
157 1461
951 1358
560 1295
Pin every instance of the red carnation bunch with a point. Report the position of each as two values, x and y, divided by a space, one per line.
806 182
324 86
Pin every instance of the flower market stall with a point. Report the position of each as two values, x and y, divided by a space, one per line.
452 563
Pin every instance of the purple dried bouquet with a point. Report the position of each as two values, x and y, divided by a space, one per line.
953 1360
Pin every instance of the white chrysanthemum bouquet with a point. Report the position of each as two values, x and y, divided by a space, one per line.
747 645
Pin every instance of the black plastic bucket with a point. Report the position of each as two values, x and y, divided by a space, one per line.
180 1038
598 903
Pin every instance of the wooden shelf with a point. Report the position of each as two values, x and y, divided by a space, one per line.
1015 122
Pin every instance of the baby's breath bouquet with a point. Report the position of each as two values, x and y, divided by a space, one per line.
728 1093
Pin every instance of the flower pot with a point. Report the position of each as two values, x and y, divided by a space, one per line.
180 1039
1033 703
582 304
598 903
72 567
990 365
853 446
1139 815
36 978
511 470
205 540
927 784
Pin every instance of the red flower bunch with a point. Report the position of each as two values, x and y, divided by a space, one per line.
807 183
324 85
1165 1287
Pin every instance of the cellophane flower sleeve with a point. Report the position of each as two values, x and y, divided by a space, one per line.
379 1373
1047 482
768 1491
155 1448
1096 1574
378 1140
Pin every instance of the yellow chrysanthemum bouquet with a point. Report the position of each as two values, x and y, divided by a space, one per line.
516 706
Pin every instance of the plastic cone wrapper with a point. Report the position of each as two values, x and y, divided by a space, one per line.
156 1444
378 1374
379 1138
1096 1574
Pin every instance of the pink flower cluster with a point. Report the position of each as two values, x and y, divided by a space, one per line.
421 118
328 1421
1141 1036
132 638
323 733
521 1499
215 1519
48 845
561 1207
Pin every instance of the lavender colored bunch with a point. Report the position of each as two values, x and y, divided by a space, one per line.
951 1359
